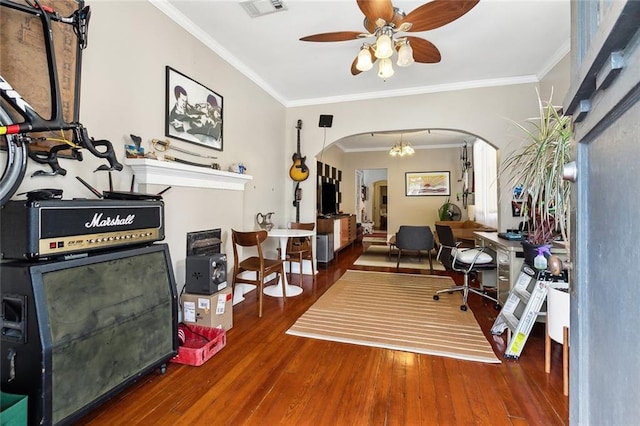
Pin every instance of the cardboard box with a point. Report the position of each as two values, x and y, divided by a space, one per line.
213 311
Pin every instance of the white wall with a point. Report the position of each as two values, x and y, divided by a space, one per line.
487 113
123 92
403 210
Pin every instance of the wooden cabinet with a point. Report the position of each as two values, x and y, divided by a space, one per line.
343 228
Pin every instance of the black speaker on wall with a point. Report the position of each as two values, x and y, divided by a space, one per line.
325 121
75 332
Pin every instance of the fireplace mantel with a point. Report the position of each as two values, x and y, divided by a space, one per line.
157 172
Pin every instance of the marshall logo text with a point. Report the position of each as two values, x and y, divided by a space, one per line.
98 222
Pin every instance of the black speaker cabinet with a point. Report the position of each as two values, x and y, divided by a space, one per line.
206 274
75 332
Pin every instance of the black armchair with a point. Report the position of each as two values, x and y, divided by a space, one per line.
415 239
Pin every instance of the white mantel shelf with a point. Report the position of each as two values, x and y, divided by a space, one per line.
149 171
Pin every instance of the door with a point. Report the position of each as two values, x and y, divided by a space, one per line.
380 205
605 234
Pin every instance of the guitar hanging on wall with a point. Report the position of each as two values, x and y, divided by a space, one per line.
299 171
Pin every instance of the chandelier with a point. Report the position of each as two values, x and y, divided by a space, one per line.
382 50
400 149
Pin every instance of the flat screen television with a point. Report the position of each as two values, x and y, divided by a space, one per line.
328 198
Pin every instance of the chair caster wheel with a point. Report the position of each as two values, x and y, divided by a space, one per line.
436 297
463 308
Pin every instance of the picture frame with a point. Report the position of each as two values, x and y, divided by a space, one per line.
420 184
516 208
193 112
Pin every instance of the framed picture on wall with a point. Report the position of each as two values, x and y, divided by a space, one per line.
193 112
427 183
516 208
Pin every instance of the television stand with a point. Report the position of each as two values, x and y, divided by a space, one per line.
342 226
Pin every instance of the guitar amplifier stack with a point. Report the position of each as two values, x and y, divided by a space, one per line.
83 285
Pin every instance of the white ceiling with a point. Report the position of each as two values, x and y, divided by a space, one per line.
498 42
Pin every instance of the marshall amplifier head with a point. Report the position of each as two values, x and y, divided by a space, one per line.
52 228
206 274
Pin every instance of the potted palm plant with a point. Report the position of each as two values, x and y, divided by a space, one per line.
538 166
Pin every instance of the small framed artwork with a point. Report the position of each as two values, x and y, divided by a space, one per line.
516 208
518 193
427 183
517 200
193 112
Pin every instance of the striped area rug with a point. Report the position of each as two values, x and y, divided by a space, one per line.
378 256
396 311
376 238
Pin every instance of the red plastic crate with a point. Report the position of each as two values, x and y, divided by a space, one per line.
201 343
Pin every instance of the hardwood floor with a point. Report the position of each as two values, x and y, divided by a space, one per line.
265 377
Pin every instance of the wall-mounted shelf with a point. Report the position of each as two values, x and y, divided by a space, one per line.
149 171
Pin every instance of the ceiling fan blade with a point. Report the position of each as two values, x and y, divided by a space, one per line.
374 9
438 13
337 36
424 51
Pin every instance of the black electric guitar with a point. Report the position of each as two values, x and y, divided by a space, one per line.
299 171
297 197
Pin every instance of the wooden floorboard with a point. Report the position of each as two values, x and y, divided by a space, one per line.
266 377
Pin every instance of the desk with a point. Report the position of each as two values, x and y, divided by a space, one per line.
283 235
464 232
509 257
466 236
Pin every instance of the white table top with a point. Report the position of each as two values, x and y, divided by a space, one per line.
283 232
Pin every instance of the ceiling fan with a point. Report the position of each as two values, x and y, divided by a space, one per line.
384 21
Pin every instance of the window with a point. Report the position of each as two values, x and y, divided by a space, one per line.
486 183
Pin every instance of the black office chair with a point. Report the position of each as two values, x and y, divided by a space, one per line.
414 238
465 260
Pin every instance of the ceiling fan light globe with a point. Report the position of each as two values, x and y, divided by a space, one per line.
384 46
405 55
364 60
385 68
